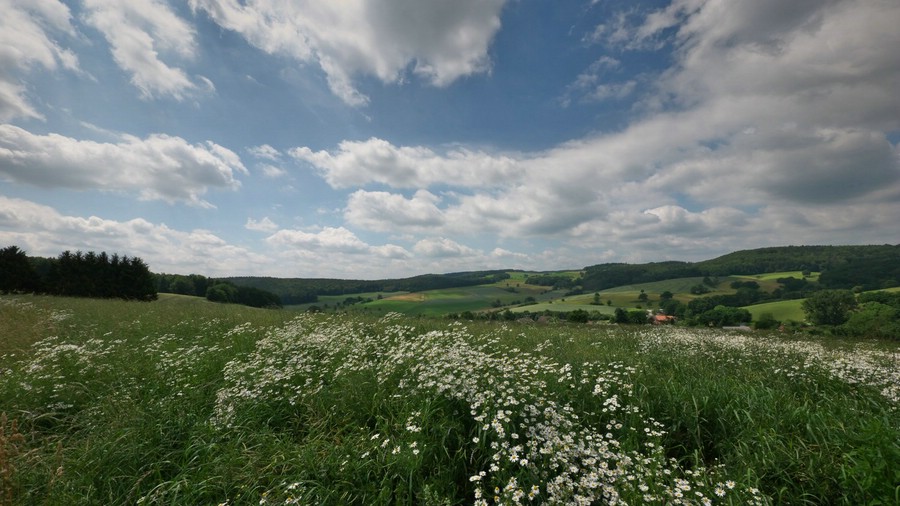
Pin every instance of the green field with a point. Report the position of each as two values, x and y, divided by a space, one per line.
783 311
562 307
772 276
511 294
454 300
183 402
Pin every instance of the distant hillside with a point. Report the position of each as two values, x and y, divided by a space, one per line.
870 267
305 290
603 276
797 258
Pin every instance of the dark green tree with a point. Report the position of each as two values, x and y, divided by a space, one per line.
672 307
829 307
720 316
16 272
578 316
637 317
699 289
222 292
873 319
766 321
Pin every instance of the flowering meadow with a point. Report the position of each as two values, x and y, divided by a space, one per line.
183 402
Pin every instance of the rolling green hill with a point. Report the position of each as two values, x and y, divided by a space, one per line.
618 284
871 267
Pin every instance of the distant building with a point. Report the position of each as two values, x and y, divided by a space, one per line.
663 319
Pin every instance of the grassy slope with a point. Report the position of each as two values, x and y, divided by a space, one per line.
482 298
783 310
772 276
454 300
133 402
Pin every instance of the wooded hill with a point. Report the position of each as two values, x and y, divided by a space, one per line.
866 267
305 290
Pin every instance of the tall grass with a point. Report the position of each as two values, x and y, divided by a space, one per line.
174 402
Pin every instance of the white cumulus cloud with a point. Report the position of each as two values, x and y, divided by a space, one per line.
437 40
28 32
43 231
159 167
140 35
263 225
385 211
440 247
357 163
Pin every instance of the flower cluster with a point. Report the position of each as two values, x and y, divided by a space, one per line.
543 432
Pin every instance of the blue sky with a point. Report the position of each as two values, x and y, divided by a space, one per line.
373 139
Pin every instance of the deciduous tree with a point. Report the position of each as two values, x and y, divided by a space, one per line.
829 307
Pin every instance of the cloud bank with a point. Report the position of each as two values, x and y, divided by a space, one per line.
159 167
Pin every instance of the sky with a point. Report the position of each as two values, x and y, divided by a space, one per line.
388 138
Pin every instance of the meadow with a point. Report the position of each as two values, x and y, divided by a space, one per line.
782 310
181 401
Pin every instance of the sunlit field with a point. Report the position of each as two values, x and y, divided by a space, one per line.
183 402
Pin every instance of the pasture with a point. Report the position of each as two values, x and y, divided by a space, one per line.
185 402
783 310
513 292
772 276
455 300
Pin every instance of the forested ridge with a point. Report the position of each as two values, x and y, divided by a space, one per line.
866 267
306 290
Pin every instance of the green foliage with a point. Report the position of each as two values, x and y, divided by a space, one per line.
673 307
794 258
100 275
750 285
872 267
873 320
194 284
792 284
224 291
16 272
557 281
829 307
634 316
601 277
766 321
306 290
721 316
578 316
699 289
887 298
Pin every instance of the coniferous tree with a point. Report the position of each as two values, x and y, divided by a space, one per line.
16 272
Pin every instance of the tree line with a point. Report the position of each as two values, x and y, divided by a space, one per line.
76 274
844 313
308 290
216 290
